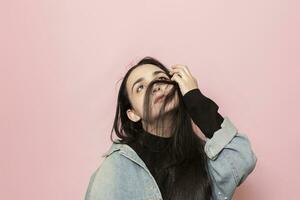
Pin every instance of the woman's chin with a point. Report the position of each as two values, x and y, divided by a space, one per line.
168 109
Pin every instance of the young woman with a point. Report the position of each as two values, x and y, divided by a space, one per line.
157 154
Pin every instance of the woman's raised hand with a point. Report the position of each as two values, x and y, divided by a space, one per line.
184 78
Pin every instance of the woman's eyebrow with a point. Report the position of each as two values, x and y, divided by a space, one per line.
141 79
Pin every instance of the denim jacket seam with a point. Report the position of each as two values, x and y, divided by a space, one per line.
233 169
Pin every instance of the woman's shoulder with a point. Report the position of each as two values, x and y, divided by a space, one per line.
119 157
113 148
117 177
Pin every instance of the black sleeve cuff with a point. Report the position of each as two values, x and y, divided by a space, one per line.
203 111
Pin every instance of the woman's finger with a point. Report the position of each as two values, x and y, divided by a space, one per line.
176 78
180 71
183 67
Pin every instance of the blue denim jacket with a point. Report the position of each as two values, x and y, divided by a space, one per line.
124 176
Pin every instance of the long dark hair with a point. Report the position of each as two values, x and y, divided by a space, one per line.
188 164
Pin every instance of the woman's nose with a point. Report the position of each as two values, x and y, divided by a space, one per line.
156 88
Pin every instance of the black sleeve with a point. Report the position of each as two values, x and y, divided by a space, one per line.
203 111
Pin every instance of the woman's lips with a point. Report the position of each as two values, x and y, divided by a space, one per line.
161 97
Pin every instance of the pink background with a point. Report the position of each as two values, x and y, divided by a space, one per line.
61 59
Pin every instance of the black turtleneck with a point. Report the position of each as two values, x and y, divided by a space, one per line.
153 148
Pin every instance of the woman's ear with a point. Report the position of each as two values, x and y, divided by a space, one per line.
132 115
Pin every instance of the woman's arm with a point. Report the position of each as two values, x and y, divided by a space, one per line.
203 111
230 154
231 158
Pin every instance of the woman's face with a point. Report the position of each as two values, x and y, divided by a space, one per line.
136 86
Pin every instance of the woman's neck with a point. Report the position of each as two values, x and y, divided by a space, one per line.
163 131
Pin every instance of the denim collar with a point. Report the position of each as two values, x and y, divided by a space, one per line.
126 151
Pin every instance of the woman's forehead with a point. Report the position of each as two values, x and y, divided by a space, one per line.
142 71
